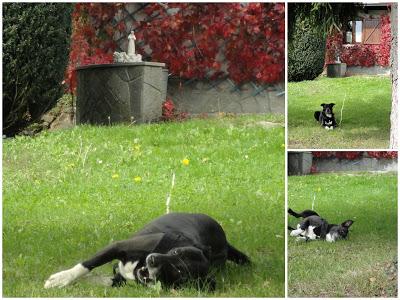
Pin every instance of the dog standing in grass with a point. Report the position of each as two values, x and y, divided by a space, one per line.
326 117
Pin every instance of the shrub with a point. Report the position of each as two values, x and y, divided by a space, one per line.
306 53
35 53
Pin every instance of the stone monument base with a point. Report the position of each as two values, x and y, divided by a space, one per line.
120 93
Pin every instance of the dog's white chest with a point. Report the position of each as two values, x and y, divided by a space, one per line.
331 237
126 270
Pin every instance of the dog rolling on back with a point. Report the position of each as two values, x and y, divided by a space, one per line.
314 227
173 249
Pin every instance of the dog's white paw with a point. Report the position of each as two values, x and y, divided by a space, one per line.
296 232
66 277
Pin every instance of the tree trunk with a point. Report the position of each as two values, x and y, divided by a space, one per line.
394 120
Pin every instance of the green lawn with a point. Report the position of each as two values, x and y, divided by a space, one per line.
366 113
69 193
363 265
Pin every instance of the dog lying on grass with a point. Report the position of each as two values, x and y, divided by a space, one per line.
326 117
313 227
173 249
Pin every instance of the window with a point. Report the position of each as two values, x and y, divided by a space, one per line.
357 31
366 31
371 31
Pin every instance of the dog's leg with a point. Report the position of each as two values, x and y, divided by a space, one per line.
118 279
304 214
297 232
316 115
66 277
119 250
237 256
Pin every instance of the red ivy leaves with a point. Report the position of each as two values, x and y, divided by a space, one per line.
194 40
169 112
360 54
383 154
350 155
91 39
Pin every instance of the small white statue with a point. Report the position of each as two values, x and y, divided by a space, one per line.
122 57
131 43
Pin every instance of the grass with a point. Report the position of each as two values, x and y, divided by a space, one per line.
363 265
366 113
69 193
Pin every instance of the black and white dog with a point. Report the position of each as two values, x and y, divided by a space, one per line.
173 249
326 117
313 227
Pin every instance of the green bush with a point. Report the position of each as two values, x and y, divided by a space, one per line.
306 53
35 54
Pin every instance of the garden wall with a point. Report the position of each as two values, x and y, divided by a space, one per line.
303 163
375 70
203 97
364 164
206 96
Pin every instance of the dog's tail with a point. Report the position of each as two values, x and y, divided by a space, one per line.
236 256
316 115
304 214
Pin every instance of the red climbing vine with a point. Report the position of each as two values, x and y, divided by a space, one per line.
364 55
351 155
195 40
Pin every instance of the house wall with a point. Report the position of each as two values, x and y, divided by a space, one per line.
364 58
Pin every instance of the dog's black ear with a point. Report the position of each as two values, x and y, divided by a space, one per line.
332 104
347 223
322 104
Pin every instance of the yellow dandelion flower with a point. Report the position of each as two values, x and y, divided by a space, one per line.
115 176
137 179
185 162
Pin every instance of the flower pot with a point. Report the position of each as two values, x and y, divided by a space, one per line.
336 70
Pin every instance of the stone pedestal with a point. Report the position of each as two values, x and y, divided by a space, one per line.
299 163
336 70
120 93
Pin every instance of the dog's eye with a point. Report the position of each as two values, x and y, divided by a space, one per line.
175 252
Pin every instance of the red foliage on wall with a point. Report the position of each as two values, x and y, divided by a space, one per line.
383 154
91 39
198 40
360 54
350 155
169 112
